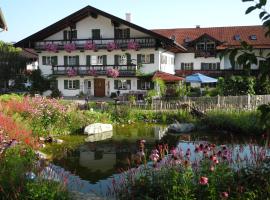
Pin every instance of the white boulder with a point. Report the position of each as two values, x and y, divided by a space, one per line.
99 137
181 127
97 128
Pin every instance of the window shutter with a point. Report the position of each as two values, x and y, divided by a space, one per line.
74 36
139 59
128 59
65 60
43 60
65 35
152 58
139 85
88 60
127 33
54 60
182 66
104 59
129 84
69 35
77 84
77 60
218 66
115 84
191 64
202 66
65 84
116 59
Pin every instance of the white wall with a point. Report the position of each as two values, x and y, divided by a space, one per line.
190 57
85 26
170 66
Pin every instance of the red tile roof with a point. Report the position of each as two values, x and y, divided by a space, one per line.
223 34
166 77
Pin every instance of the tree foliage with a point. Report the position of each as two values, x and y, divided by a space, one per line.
11 62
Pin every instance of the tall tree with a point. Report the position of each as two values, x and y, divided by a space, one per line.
11 62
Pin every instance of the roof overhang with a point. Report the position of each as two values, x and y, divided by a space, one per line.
3 24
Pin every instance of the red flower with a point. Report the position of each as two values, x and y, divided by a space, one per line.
224 195
203 180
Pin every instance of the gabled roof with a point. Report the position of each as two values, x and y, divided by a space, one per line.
3 24
83 13
166 77
226 35
205 35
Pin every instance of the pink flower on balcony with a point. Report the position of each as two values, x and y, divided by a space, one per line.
114 73
111 46
133 45
92 72
51 47
70 47
71 72
90 46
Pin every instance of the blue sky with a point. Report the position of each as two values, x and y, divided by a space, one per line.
25 17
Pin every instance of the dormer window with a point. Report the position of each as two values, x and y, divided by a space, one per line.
200 46
237 37
122 33
253 37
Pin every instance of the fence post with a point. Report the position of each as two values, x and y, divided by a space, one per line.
248 101
218 100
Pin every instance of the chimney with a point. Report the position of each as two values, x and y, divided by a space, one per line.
128 17
198 26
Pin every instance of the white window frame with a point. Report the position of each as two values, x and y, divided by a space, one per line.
71 85
163 59
72 60
122 60
145 58
122 85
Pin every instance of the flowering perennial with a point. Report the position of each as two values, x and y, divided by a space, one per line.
92 72
51 47
133 45
70 47
71 72
114 73
90 46
112 46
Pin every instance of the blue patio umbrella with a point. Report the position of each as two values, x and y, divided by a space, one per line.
200 78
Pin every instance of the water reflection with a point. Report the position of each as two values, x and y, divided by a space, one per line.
96 161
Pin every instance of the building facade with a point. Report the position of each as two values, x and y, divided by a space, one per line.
95 53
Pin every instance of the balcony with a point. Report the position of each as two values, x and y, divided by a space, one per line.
216 73
205 54
95 70
141 42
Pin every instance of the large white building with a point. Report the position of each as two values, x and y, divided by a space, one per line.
98 54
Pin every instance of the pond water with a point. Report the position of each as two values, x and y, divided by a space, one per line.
96 162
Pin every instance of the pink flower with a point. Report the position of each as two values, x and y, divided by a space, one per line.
111 46
51 47
133 45
92 72
70 47
114 73
90 46
212 168
71 72
224 195
203 180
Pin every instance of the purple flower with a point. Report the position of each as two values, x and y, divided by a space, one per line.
90 46
51 47
71 72
92 72
112 73
111 46
133 45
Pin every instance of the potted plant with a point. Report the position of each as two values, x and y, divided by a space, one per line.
90 46
92 72
133 45
71 72
114 73
70 47
112 46
51 47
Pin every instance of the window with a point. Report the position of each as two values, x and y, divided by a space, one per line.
145 58
210 46
122 84
49 60
68 35
71 60
210 66
186 66
253 37
163 59
99 60
88 84
122 33
200 46
96 34
144 85
71 84
172 60
237 37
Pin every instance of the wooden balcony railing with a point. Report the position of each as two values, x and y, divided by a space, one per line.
141 42
205 54
94 70
215 73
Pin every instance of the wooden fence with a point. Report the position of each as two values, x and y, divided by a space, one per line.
245 102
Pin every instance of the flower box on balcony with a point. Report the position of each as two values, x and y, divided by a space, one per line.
51 47
92 72
112 46
133 45
90 46
71 72
114 73
70 47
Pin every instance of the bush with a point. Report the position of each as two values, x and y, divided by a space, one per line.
246 122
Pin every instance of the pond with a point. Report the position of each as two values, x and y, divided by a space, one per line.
97 162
